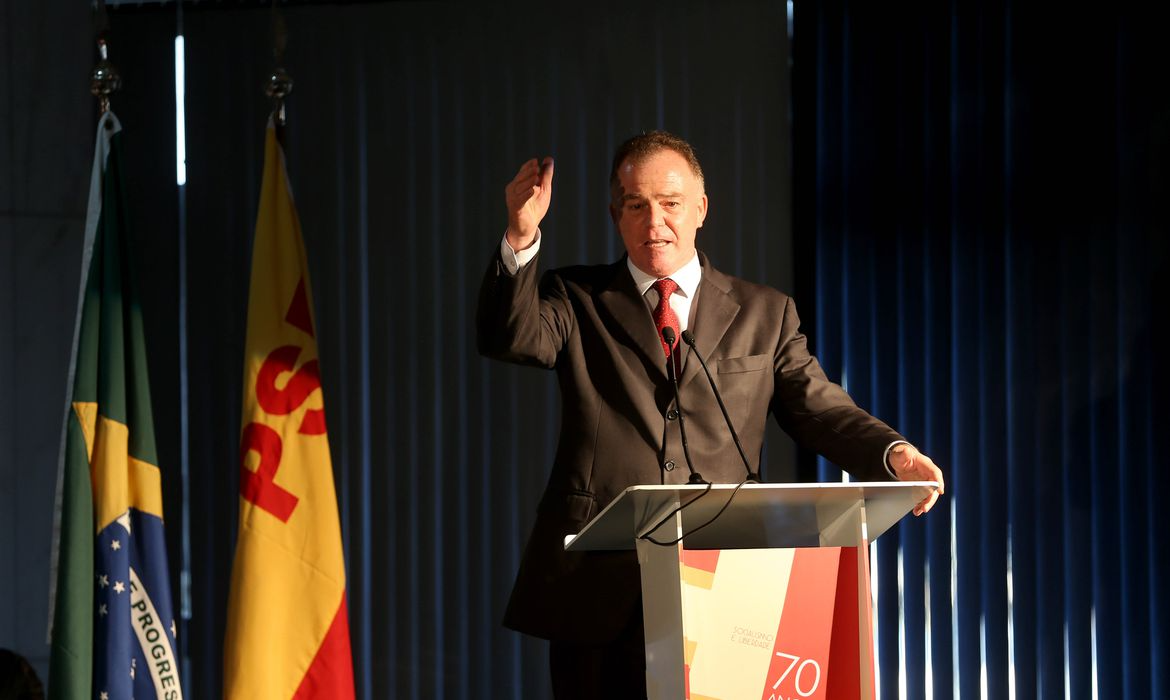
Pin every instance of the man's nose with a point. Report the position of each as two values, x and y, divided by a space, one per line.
657 215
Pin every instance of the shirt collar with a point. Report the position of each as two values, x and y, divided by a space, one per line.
686 277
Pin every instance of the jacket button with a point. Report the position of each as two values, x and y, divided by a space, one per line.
672 414
668 465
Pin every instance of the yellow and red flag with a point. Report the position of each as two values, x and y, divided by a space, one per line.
287 627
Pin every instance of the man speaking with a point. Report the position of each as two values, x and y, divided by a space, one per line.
609 331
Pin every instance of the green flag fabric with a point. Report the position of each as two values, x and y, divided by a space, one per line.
113 630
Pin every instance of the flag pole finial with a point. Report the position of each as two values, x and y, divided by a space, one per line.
280 83
105 80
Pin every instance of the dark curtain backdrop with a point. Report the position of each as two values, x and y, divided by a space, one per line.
984 186
405 123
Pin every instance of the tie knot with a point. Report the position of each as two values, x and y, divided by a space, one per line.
665 287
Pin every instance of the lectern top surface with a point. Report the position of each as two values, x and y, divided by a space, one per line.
758 515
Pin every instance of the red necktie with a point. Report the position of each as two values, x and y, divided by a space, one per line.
664 316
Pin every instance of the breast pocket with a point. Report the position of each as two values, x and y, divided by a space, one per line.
740 365
746 386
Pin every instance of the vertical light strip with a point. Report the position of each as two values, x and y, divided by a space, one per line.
983 656
875 607
956 672
180 113
929 679
1067 671
186 612
1011 620
901 625
1093 642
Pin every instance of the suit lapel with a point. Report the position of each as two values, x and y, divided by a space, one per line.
714 313
632 317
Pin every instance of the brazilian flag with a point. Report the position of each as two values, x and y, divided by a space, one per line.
113 629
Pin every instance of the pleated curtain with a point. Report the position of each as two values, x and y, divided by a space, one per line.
985 188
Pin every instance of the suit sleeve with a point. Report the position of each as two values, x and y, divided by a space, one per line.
518 320
818 413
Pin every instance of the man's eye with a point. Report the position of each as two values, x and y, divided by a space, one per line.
671 205
634 206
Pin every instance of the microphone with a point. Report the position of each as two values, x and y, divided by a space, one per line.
689 339
669 336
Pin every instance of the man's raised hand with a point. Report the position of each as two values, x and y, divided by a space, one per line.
528 196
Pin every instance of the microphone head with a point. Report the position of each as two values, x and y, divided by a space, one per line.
668 335
688 338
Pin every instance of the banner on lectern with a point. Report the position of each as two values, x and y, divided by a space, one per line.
774 624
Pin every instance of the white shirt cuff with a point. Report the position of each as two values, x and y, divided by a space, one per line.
515 260
886 457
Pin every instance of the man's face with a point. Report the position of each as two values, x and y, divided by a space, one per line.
657 207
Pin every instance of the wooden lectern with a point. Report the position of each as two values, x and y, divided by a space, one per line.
768 601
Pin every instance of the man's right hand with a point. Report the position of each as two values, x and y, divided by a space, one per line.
528 196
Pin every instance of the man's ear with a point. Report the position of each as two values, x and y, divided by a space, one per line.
702 211
614 213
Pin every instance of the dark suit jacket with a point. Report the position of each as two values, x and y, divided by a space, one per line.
591 326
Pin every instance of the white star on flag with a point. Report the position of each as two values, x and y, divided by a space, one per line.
103 610
115 545
105 695
103 580
119 587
